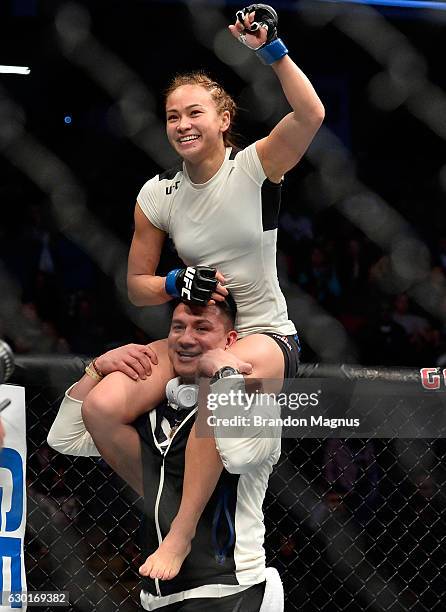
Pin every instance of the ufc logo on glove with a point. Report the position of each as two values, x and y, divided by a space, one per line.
188 278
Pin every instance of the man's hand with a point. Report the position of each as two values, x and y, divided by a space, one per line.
212 361
134 360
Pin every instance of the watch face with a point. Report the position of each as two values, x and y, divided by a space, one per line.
228 371
224 372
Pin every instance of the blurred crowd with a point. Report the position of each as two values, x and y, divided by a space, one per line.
344 271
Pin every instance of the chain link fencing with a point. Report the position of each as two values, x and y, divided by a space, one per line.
350 524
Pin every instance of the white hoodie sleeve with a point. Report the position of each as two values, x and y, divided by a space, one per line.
68 434
244 447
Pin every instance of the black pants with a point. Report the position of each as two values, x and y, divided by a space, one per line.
249 600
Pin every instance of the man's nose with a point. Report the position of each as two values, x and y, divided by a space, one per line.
187 338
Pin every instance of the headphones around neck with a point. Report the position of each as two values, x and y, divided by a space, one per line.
181 395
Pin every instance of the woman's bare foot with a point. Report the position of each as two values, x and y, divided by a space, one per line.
166 561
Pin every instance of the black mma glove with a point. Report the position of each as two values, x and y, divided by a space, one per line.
193 284
265 17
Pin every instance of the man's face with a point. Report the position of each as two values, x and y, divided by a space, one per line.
193 331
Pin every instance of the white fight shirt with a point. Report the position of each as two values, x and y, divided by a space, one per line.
229 223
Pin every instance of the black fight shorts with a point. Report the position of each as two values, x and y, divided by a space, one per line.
290 347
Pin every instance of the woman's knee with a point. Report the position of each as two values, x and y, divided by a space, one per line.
99 406
109 401
119 399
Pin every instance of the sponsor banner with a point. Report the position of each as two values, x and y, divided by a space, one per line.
13 496
321 408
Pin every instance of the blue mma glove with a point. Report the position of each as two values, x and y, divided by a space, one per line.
194 285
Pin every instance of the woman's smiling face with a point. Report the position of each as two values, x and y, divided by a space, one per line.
193 124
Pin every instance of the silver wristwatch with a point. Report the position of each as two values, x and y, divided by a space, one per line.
224 372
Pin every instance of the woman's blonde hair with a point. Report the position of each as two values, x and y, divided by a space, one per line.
222 99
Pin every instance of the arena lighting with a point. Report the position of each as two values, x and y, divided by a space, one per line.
14 69
416 4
